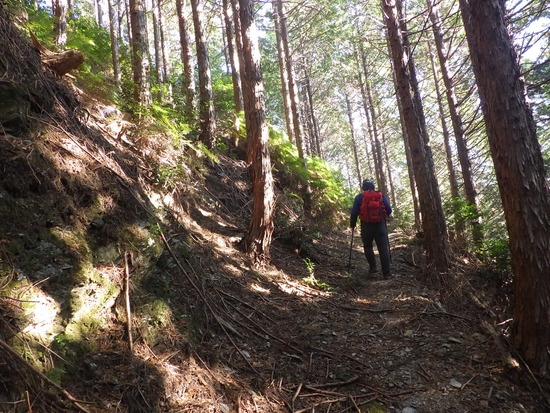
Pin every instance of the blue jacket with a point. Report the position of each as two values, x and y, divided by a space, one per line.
357 207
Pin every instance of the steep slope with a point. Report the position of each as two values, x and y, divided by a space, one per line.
121 281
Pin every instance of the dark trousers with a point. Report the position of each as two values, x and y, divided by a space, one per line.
378 232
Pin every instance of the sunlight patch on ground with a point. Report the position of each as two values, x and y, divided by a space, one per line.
402 298
300 290
259 288
232 269
40 313
364 301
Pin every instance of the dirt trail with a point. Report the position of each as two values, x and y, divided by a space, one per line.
368 344
304 335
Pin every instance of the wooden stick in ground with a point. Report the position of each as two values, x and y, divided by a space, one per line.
127 301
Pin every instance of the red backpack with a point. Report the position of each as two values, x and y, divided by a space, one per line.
372 207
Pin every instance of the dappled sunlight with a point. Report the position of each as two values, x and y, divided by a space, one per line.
40 312
300 289
258 288
92 301
364 301
412 298
232 269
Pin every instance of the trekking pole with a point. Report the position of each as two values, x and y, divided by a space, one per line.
388 239
350 248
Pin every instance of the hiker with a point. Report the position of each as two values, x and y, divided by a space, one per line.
373 213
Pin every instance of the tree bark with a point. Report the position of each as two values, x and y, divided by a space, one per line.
408 156
387 158
520 174
258 239
233 57
188 72
114 43
60 21
206 106
158 49
353 142
433 220
292 87
316 140
453 184
282 57
62 63
165 62
458 129
140 53
379 164
99 13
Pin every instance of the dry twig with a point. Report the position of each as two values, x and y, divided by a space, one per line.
14 356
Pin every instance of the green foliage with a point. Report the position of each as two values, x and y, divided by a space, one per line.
311 280
314 195
84 35
326 184
224 104
328 194
497 255
40 24
56 375
172 123
460 210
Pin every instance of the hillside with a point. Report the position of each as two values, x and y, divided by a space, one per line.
122 282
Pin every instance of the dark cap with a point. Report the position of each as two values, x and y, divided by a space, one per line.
368 185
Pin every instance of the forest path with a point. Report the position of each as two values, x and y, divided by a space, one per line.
370 344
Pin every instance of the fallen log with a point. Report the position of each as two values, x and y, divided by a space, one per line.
60 62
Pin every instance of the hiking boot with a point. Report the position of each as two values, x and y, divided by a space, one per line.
387 276
373 270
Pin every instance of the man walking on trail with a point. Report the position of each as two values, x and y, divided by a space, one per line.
372 208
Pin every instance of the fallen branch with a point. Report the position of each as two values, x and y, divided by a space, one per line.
14 356
222 323
127 301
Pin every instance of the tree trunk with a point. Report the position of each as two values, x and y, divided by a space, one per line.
258 239
387 158
206 106
284 75
165 62
353 142
188 72
433 220
367 115
114 43
60 21
463 156
315 144
99 13
233 57
119 6
453 184
128 23
379 165
292 88
408 156
368 107
158 50
140 53
520 174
